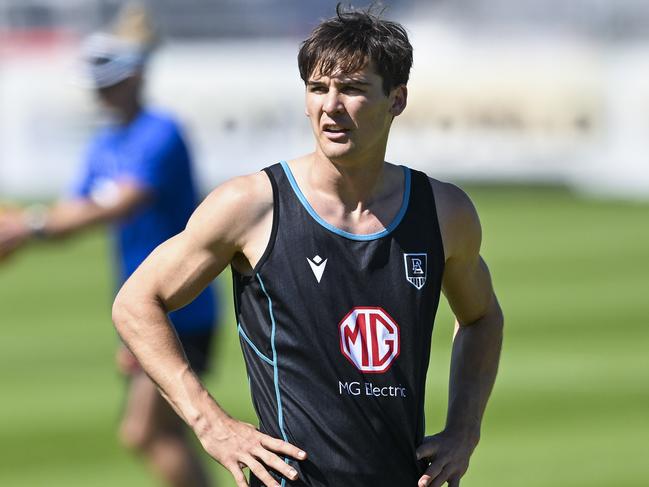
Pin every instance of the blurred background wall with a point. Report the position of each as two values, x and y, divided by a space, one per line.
535 91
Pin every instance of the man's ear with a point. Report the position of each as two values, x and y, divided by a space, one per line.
399 100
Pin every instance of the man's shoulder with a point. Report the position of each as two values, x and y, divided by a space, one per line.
251 190
156 128
453 198
103 137
233 211
156 140
240 201
458 217
160 118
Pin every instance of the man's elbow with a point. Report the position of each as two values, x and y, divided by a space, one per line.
491 322
495 320
498 316
491 316
123 311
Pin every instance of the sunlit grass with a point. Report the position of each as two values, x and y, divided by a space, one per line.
570 406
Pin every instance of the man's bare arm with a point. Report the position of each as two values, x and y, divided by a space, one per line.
476 345
20 225
172 276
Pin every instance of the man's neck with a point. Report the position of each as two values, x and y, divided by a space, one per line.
357 184
128 114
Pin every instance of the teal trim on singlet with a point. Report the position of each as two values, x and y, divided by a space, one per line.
352 236
252 345
280 412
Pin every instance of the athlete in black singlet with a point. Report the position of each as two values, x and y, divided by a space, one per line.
339 259
336 332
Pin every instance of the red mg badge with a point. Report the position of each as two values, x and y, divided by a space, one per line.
369 339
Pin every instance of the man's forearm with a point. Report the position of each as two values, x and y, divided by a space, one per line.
143 325
71 215
474 364
19 227
67 217
145 329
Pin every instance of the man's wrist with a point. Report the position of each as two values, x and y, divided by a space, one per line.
35 218
466 433
468 429
202 411
210 420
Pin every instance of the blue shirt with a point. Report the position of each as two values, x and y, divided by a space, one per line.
151 153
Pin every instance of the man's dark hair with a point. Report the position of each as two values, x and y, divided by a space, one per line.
351 40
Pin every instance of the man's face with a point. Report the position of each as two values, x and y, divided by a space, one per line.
350 113
120 97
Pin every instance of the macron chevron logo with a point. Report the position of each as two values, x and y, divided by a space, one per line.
317 266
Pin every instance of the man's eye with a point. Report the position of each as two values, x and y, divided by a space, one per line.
352 89
318 89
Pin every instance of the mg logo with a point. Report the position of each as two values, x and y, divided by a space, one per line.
369 338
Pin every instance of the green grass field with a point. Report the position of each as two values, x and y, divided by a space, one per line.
570 408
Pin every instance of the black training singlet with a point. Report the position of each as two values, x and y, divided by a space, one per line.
335 329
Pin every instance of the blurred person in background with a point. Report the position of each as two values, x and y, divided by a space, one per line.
137 176
339 259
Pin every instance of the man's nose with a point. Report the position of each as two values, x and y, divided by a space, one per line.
332 103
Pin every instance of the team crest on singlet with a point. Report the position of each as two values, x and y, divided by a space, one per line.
416 269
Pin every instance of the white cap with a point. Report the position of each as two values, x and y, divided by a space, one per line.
107 60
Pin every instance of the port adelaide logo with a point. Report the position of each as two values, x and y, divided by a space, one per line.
416 269
369 339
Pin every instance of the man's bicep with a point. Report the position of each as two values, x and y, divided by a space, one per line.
179 269
468 288
466 282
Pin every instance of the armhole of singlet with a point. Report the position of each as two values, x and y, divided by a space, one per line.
438 229
273 232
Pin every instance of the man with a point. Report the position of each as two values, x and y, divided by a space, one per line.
137 176
338 262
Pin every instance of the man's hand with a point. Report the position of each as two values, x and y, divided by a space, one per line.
448 455
14 231
239 445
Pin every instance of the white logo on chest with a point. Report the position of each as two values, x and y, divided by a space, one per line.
416 269
317 266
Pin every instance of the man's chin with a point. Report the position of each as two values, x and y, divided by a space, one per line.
334 151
